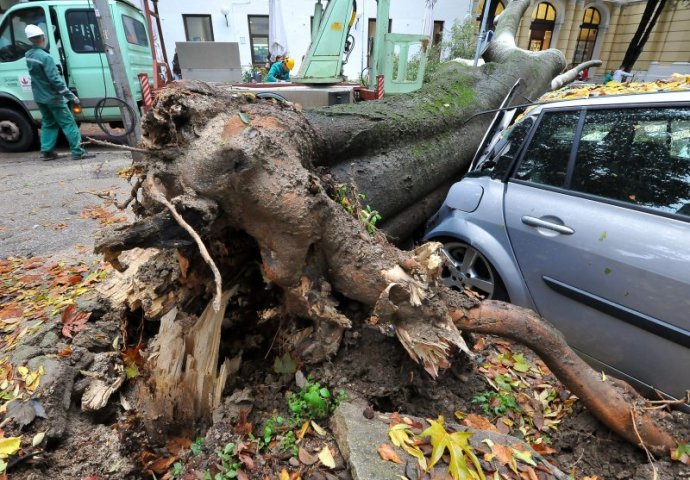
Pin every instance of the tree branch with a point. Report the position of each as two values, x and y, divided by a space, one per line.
567 77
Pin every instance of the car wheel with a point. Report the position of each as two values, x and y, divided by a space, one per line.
17 133
466 268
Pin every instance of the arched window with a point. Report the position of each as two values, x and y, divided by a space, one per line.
541 28
588 35
497 6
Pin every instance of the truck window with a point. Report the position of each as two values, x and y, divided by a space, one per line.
13 41
82 28
135 31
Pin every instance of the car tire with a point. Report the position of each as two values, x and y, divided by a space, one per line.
17 132
466 267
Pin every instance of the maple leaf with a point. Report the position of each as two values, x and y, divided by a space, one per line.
387 453
401 436
73 321
458 447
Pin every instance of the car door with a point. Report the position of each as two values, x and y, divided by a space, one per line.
599 225
14 74
86 61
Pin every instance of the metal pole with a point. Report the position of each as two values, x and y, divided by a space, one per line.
482 31
379 50
118 72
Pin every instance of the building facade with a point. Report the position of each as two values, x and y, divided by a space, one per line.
246 22
602 29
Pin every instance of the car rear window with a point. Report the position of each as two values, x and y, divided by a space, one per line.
639 156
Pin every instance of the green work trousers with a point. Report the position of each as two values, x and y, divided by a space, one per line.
56 117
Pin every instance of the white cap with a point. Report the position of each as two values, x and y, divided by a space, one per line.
32 31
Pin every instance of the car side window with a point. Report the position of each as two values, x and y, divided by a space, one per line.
499 161
638 156
13 41
83 31
545 161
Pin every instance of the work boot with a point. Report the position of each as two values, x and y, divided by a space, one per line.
83 156
47 156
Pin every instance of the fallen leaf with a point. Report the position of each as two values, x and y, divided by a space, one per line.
458 447
284 475
285 364
317 428
243 426
38 439
73 321
387 453
176 444
401 436
161 465
326 457
543 449
9 445
477 421
306 458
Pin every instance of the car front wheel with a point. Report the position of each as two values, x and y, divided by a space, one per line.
466 268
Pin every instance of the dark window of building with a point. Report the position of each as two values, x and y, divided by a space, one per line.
13 41
541 28
135 31
497 7
258 38
587 36
82 30
198 28
438 32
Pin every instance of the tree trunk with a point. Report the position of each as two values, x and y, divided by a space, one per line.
649 18
235 168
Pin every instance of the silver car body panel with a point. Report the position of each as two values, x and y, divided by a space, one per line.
612 277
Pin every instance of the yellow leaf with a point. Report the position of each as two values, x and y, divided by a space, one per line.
320 431
400 436
9 445
458 448
302 431
22 371
284 475
326 457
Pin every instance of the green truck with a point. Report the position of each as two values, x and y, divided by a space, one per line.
74 40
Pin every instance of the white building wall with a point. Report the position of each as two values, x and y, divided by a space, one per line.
407 16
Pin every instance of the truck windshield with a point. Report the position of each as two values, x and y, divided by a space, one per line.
13 41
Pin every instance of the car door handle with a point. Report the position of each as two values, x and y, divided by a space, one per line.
539 223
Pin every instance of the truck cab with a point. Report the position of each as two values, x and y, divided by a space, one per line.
74 40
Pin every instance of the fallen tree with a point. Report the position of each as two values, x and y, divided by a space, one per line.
230 181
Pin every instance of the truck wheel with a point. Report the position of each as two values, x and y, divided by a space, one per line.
17 133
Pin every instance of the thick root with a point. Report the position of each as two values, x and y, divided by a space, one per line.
600 396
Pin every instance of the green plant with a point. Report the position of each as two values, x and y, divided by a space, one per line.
176 470
497 404
351 201
271 428
229 463
289 443
195 447
313 402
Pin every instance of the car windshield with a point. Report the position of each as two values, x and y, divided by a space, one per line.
497 163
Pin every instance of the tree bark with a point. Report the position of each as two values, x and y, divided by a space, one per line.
230 163
649 18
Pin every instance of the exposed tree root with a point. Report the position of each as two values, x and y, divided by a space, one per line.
605 401
238 164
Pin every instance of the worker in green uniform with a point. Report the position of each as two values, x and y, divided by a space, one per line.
280 71
51 95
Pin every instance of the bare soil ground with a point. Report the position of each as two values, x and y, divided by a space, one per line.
370 366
